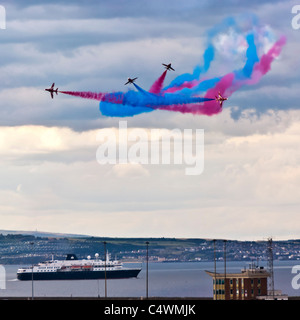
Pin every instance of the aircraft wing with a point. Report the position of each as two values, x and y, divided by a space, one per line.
51 94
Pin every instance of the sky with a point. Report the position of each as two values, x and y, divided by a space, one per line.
50 177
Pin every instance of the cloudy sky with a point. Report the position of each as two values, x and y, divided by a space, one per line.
50 177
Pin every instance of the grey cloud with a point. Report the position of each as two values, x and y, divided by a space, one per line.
96 45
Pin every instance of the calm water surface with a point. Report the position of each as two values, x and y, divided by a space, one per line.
165 280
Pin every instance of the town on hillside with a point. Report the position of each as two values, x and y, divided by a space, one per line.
31 248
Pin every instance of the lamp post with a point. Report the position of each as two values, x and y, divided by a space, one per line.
97 259
225 269
32 295
147 269
105 269
215 269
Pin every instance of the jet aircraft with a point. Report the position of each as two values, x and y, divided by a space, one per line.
52 90
220 99
130 80
168 66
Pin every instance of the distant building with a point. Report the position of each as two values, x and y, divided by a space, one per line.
248 285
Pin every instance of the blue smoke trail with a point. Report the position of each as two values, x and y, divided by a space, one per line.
180 95
142 98
251 55
121 110
136 102
208 57
246 71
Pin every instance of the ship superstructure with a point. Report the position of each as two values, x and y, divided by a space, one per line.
74 269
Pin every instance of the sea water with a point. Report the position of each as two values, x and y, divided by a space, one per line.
187 279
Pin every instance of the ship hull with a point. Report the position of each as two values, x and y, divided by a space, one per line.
79 275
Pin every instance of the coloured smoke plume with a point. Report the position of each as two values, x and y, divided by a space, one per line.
86 95
158 84
195 93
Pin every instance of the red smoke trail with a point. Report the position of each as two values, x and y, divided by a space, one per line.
264 65
208 108
114 97
187 84
259 70
158 84
222 87
86 95
228 84
261 67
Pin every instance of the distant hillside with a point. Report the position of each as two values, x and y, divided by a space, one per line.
42 234
18 247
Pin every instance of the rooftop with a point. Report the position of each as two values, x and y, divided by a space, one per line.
245 273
